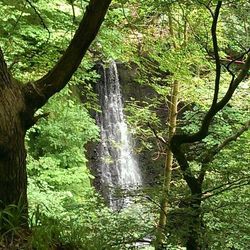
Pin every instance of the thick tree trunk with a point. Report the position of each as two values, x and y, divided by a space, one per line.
13 177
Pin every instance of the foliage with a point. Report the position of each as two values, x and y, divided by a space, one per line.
56 162
65 210
226 212
92 226
11 219
11 222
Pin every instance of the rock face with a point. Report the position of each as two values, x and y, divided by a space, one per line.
129 87
113 162
150 168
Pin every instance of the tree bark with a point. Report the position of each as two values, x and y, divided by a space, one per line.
193 241
37 93
13 177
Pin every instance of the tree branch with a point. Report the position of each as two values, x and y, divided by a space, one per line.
203 131
40 17
39 92
216 52
208 157
178 140
157 136
207 7
233 137
213 152
226 187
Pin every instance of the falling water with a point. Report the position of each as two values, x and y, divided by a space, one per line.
119 168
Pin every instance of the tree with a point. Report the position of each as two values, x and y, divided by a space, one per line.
195 182
172 122
231 42
19 102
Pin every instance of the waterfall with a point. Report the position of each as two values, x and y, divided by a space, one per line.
117 164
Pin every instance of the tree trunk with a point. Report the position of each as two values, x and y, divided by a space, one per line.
193 241
13 177
172 120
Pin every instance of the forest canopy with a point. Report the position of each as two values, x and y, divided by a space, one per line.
124 124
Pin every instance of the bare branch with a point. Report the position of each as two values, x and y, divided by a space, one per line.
233 137
207 6
203 131
243 73
40 17
177 140
235 61
237 58
157 136
73 11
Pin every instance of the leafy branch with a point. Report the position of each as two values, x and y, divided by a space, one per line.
226 187
209 156
178 140
37 93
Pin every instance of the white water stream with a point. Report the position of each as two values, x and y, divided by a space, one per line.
120 173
